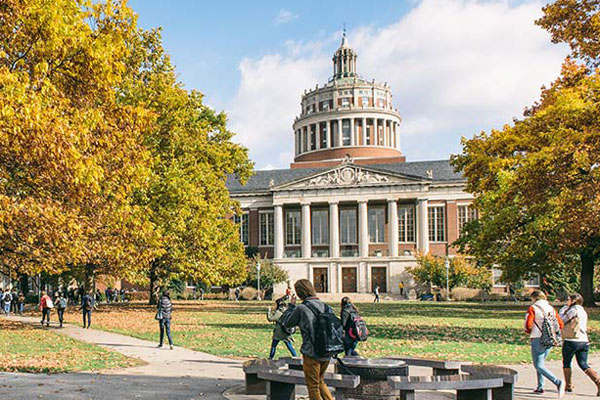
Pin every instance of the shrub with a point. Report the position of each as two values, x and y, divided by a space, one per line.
141 295
465 294
215 296
249 293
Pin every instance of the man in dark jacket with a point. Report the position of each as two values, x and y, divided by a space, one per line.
165 307
300 315
87 305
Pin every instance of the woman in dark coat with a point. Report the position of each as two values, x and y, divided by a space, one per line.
279 332
347 317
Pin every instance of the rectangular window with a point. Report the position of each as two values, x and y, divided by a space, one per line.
325 105
348 226
369 135
346 132
437 223
320 227
266 228
365 101
313 139
323 128
406 224
465 214
293 228
376 224
497 277
242 221
380 135
345 102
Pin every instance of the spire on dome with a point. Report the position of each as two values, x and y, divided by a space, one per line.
344 59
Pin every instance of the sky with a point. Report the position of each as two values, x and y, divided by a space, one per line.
455 67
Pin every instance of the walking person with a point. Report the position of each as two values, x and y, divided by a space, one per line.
87 306
7 302
237 294
163 314
61 306
576 342
542 314
21 302
304 316
13 304
46 306
348 314
280 333
376 293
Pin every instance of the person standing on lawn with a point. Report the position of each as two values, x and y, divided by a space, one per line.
46 307
87 306
301 315
537 313
376 293
13 304
61 306
349 312
164 308
21 302
576 342
280 333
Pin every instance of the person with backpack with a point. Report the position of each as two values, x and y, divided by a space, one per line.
543 324
46 306
87 305
61 306
21 302
355 327
7 302
321 336
163 314
13 304
575 341
280 333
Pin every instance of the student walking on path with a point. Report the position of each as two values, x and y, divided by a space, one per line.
61 306
542 318
7 297
21 302
576 343
376 293
301 315
280 333
163 314
46 307
87 305
348 314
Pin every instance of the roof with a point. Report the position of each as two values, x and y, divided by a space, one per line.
260 181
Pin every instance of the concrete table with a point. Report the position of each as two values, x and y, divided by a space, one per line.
467 387
374 375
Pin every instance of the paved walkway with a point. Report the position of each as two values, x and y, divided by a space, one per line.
186 374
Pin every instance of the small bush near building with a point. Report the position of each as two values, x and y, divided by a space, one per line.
249 293
465 294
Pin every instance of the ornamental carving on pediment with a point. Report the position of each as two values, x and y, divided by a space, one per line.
347 176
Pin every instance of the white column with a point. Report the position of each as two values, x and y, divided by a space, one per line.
393 227
306 243
278 225
340 140
326 133
334 230
352 134
422 226
364 132
363 229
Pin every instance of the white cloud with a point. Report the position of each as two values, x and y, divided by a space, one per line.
456 67
284 17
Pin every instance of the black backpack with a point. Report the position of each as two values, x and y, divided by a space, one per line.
357 328
329 332
89 304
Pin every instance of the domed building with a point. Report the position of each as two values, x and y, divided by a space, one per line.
350 213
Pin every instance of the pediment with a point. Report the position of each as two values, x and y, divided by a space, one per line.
350 175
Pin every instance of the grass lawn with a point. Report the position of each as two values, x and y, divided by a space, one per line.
24 348
481 332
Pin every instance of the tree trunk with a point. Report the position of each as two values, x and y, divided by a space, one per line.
153 280
90 278
587 278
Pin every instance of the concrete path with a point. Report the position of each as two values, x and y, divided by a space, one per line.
186 374
169 374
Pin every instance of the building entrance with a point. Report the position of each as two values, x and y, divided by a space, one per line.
320 279
349 280
379 277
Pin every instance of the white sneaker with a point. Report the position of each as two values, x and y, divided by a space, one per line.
561 390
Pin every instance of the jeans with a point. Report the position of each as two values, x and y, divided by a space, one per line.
21 308
61 313
578 349
539 355
288 344
46 314
314 373
350 346
165 325
7 308
88 314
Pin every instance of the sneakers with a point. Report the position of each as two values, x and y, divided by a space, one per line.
159 346
170 347
561 389
538 391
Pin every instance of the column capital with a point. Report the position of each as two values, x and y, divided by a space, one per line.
392 200
305 203
362 201
332 202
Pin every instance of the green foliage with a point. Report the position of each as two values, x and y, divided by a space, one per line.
462 273
270 274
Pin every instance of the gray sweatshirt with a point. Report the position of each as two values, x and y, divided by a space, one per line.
300 315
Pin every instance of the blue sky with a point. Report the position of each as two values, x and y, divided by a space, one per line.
456 67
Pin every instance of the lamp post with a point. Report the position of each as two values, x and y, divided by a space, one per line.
447 265
258 273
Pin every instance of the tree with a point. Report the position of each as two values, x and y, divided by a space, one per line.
70 153
462 272
577 23
270 274
537 184
192 153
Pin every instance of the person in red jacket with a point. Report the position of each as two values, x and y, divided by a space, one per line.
533 322
46 306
